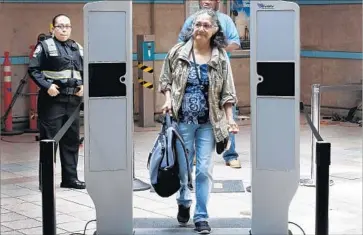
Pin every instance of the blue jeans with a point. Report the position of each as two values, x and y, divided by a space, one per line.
231 153
199 139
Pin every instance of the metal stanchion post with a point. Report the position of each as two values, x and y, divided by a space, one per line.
145 56
315 120
315 116
47 161
322 188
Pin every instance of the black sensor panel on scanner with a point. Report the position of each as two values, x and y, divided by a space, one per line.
278 79
106 79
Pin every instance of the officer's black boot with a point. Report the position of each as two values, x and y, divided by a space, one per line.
76 184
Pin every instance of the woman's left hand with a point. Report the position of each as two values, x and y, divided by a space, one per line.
233 127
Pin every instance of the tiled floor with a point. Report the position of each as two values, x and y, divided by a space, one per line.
21 211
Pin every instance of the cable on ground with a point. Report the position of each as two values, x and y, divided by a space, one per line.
85 228
302 230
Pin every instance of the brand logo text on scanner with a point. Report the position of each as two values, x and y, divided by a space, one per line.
265 6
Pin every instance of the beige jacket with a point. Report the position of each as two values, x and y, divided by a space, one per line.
174 75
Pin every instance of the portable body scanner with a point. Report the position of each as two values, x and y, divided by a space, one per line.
275 119
108 113
275 113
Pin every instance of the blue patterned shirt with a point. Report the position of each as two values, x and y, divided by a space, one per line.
194 108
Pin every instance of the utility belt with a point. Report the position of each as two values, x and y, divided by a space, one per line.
69 90
67 86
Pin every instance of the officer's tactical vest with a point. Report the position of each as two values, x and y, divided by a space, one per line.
58 68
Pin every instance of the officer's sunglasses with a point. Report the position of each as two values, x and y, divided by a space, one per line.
63 26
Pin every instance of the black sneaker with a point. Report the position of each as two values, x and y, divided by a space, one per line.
183 215
202 227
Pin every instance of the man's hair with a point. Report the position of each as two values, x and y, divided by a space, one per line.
56 17
217 40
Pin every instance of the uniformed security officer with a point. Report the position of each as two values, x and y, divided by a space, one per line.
57 68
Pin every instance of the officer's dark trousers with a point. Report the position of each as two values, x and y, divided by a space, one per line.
53 112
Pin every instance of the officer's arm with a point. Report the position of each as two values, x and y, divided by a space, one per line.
34 69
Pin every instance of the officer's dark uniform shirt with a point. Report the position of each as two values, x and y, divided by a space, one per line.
69 57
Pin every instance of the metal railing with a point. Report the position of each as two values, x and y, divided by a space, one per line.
47 151
47 170
315 116
323 159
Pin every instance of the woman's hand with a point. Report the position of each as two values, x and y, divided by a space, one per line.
233 127
167 107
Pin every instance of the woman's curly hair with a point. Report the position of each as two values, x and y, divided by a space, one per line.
218 39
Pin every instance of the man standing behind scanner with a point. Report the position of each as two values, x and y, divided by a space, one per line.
230 31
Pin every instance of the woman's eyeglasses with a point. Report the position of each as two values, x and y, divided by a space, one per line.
204 25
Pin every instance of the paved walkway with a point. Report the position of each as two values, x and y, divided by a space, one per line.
21 200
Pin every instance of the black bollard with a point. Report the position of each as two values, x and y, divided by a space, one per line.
322 188
47 161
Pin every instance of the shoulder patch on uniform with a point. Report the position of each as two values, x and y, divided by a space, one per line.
51 47
37 50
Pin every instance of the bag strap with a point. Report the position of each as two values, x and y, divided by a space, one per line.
167 120
162 131
151 153
166 123
195 64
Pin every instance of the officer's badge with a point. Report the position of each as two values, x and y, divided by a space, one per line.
37 50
